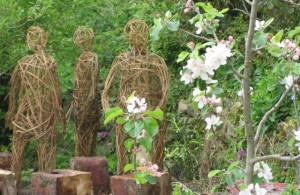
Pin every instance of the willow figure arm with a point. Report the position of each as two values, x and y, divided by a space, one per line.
15 82
108 82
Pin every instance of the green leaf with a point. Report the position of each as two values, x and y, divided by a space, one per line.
277 37
112 113
151 126
213 173
133 128
173 25
121 120
294 32
140 178
182 56
128 144
233 165
195 54
200 46
157 113
154 31
259 40
296 68
128 167
224 10
268 23
146 142
151 179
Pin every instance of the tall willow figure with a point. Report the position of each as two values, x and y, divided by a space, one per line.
145 73
85 103
35 104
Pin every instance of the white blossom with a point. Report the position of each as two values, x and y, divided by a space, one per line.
186 76
298 145
217 55
259 25
260 191
199 96
241 92
211 121
219 109
288 81
264 171
297 134
248 190
136 105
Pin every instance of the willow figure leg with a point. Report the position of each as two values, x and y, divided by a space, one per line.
159 145
121 151
19 143
47 151
82 145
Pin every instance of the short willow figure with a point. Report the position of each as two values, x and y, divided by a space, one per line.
85 103
35 104
145 73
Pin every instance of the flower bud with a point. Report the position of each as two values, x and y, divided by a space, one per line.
191 45
158 174
142 161
155 167
295 57
230 38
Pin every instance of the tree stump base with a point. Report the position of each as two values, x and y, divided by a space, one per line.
61 182
98 167
5 161
126 185
7 183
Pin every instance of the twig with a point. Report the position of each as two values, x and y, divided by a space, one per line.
249 2
239 75
257 49
236 9
277 157
273 109
200 37
245 7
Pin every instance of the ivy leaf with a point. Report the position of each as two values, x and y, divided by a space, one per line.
182 56
157 113
213 173
112 113
128 144
151 126
173 25
128 167
146 142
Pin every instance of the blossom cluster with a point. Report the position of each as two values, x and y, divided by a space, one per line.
263 171
297 137
250 188
151 168
203 67
289 47
136 105
202 99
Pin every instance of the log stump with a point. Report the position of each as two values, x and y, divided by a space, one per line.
7 183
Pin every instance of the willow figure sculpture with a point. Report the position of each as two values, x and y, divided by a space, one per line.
146 74
85 103
35 104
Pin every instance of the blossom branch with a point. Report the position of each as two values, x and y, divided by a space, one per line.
244 12
276 157
200 37
257 49
273 109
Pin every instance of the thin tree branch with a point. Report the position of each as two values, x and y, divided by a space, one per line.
249 2
273 109
239 75
245 7
276 157
200 37
257 49
244 12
